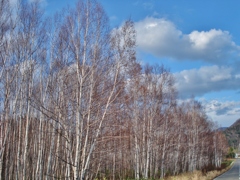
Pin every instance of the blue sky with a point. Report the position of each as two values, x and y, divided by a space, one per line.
199 41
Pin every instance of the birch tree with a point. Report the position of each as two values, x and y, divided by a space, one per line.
76 104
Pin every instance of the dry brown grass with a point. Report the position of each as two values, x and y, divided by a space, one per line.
198 175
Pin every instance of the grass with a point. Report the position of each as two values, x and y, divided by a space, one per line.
196 175
199 175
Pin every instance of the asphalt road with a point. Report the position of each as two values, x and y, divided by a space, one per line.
232 174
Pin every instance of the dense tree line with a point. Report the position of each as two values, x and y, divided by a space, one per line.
76 104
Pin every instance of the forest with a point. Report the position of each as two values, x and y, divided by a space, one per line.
76 103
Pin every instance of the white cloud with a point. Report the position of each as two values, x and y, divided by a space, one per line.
206 79
221 108
224 112
203 40
161 38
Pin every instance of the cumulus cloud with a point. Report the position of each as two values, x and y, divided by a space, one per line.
161 38
221 108
226 112
206 79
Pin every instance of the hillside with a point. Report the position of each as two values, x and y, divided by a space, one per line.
233 134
